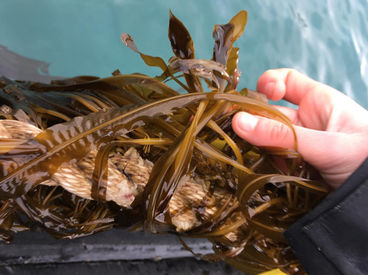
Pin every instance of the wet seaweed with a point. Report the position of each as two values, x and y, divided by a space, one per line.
250 195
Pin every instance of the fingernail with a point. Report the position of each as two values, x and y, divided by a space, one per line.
247 122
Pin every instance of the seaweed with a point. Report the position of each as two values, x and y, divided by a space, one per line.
246 196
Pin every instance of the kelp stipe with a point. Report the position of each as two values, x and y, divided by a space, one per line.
82 155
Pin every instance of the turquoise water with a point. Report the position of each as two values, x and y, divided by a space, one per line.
328 40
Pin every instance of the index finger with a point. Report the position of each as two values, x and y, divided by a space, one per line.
290 85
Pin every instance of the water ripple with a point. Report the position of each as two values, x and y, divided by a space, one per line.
328 40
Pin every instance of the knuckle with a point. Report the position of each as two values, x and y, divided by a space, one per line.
278 131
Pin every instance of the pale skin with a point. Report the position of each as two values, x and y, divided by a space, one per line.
331 128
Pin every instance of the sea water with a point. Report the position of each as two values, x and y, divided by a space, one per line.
327 40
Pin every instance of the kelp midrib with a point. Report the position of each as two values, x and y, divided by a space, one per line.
194 134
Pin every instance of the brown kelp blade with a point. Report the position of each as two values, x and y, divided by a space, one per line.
200 180
47 104
149 60
183 48
225 36
180 39
200 68
75 138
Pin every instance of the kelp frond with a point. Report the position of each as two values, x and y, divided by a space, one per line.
85 154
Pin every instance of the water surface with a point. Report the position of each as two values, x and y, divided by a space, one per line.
328 40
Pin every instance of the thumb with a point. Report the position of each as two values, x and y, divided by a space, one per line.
262 131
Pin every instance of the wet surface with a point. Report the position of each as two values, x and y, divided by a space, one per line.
16 66
112 245
112 252
170 266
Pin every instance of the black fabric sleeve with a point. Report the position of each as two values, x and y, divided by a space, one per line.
333 237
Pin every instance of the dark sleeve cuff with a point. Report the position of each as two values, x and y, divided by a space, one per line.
333 237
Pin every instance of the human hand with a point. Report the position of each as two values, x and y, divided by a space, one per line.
331 128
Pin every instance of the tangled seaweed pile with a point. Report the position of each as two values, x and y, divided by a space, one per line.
82 155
